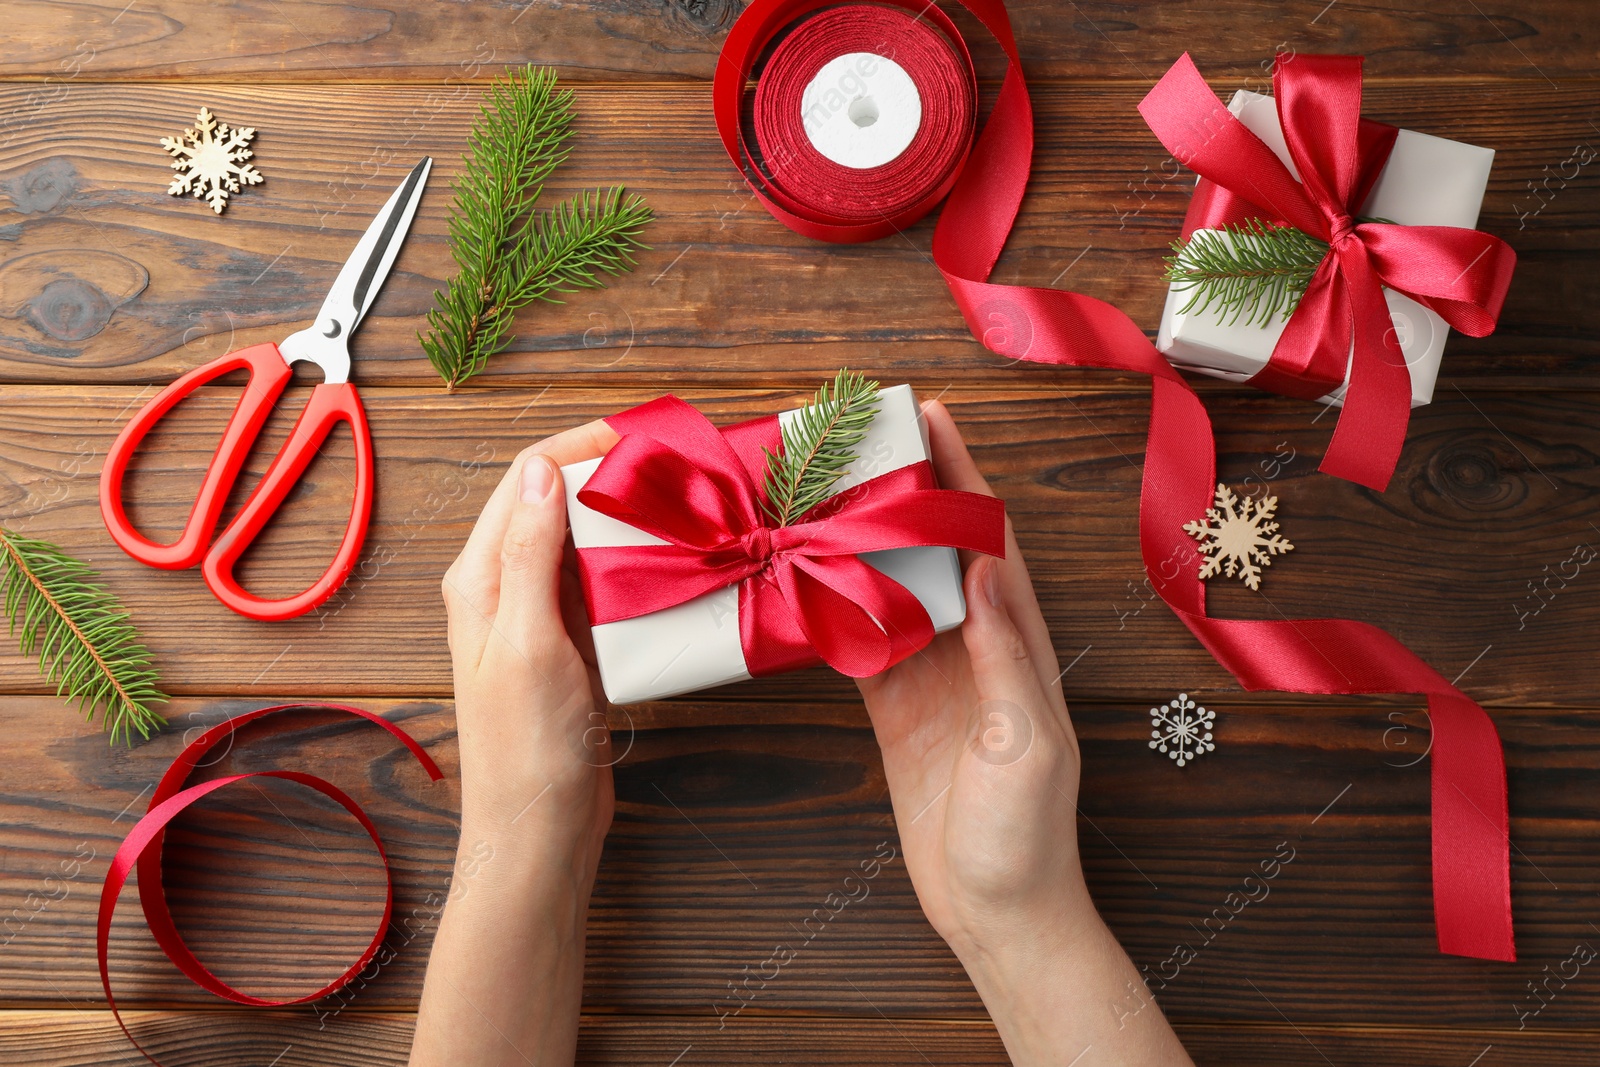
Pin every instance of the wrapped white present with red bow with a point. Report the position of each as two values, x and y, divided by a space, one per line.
1396 262
690 584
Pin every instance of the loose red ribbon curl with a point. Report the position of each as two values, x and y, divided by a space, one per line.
142 848
804 596
1471 842
1462 275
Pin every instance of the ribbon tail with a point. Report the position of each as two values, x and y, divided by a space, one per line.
1371 432
860 621
1470 826
1471 832
1313 352
831 624
770 632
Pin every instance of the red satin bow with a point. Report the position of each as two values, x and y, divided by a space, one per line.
141 849
804 596
1462 275
1471 832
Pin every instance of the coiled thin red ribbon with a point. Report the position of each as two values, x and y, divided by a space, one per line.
142 849
804 597
1471 845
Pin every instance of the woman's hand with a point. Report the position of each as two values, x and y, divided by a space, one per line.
982 766
505 978
531 730
978 749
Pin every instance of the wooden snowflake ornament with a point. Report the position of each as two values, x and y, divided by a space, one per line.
1182 730
1238 540
210 160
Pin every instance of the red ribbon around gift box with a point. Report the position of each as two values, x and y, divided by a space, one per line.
1461 275
804 597
1471 857
141 849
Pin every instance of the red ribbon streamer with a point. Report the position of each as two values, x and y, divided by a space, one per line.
142 848
804 596
1471 843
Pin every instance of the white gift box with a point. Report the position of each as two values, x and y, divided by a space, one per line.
695 645
1428 181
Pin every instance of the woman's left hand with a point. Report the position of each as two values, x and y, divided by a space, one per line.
531 727
505 980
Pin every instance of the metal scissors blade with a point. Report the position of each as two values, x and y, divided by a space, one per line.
327 341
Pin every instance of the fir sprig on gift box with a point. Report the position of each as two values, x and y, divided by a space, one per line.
81 635
1250 269
818 445
509 254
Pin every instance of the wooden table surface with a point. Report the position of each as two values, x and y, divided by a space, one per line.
741 812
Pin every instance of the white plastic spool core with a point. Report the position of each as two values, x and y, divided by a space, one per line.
861 110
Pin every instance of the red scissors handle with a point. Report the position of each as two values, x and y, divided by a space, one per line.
330 404
268 376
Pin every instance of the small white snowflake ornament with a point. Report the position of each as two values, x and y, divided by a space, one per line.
1239 540
1182 729
210 160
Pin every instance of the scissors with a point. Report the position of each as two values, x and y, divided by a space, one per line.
325 343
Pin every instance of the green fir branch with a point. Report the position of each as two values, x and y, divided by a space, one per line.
1251 269
818 444
507 253
83 638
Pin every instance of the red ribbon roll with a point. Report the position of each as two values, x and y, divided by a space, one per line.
142 848
915 180
794 181
1471 843
804 597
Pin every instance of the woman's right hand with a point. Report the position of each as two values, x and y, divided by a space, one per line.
982 766
979 752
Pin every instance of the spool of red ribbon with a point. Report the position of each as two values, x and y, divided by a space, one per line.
807 191
986 179
909 185
142 849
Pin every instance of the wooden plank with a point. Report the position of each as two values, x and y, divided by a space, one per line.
48 1039
109 280
735 824
58 1038
1500 488
360 41
1419 1046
